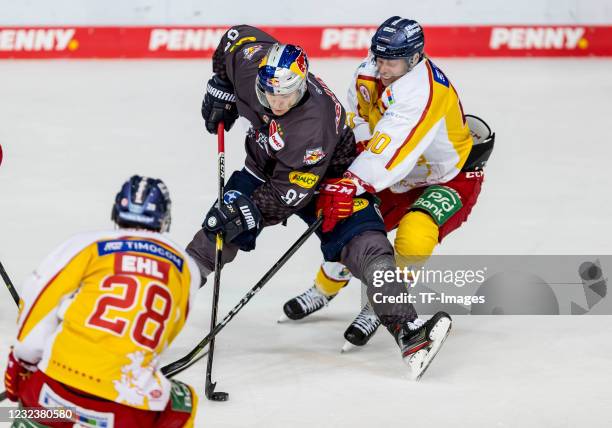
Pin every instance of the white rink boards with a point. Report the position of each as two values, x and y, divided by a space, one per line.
72 132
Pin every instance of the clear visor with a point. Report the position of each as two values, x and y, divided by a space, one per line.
261 91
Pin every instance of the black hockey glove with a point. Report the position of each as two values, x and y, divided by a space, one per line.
238 219
219 104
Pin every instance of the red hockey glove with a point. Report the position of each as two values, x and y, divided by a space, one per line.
15 372
335 201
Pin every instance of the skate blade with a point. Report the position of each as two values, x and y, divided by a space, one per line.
347 347
282 319
419 361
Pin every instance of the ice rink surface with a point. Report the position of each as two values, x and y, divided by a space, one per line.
73 131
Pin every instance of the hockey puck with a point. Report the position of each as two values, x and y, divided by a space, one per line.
219 396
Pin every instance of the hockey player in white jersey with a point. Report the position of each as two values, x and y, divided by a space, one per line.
418 155
95 317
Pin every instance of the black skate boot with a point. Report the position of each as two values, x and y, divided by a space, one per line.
420 341
361 329
305 304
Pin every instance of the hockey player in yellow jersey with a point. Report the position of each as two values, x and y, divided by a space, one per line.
418 155
96 315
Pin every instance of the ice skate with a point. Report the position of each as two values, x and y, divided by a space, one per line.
420 341
305 304
361 329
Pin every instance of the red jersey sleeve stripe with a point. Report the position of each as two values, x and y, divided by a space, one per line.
364 77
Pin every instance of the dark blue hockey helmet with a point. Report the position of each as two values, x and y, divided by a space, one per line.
143 203
398 37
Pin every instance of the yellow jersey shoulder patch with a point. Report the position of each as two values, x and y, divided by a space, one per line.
360 204
305 180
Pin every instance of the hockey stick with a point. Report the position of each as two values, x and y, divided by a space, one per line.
181 364
15 295
189 364
9 285
209 389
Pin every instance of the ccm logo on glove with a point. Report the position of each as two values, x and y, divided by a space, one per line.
335 201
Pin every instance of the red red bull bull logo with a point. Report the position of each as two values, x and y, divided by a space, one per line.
302 62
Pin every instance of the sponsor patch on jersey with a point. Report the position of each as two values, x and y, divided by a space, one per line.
144 266
364 93
305 180
314 156
250 51
275 139
180 397
139 246
360 204
261 138
49 399
438 76
440 202
390 99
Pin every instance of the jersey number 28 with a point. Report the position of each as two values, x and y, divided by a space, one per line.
148 326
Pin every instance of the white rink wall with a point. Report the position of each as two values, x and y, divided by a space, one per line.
313 12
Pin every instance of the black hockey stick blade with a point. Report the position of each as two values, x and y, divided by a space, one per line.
171 374
215 396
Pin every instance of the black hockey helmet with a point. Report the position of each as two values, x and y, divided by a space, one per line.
398 37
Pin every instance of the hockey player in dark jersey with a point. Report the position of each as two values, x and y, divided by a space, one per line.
298 146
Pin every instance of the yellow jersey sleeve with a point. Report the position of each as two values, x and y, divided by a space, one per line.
105 310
